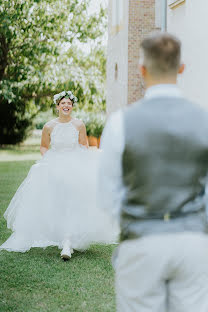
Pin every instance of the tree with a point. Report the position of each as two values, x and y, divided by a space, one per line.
39 56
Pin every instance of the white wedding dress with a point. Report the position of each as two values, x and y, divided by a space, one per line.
57 200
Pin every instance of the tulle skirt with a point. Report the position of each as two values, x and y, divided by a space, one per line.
57 201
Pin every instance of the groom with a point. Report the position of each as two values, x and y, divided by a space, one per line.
154 165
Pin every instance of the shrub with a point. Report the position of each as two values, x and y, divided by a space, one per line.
14 121
94 122
41 119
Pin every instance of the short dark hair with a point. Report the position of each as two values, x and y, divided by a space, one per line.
162 54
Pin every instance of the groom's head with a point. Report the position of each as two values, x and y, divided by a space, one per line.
160 60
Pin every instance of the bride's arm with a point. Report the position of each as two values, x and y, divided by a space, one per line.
83 135
45 139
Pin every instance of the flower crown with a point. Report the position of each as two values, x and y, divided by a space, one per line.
66 95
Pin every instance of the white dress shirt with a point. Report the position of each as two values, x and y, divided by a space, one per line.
110 188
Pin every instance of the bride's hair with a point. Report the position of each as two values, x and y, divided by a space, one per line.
64 94
63 97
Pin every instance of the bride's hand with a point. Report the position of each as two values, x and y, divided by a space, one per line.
83 136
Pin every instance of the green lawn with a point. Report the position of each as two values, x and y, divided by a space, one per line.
39 280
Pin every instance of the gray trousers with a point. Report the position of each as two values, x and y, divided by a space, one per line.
163 273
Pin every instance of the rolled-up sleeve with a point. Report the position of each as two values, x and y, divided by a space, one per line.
110 187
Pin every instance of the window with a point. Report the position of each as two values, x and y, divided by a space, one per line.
175 3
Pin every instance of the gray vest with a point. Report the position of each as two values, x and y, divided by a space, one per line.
165 163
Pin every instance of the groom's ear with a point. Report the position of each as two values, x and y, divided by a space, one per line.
181 68
142 70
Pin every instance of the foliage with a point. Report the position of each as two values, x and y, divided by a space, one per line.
94 122
40 125
43 117
14 121
96 125
40 55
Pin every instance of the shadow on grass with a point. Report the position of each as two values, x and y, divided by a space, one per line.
39 280
30 149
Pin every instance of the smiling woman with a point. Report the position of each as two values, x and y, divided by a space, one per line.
56 204
64 103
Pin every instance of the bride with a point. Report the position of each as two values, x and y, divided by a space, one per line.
56 203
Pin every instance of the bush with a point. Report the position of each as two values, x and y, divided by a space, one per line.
43 117
94 122
15 123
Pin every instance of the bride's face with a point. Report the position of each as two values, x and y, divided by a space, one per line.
65 107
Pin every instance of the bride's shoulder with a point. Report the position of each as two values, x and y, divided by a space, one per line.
50 125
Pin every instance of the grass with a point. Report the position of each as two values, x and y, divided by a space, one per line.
39 280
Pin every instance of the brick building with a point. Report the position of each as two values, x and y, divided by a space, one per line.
129 22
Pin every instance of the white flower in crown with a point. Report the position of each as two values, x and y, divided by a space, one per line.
63 93
55 98
67 94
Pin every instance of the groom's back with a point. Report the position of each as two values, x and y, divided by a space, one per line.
165 162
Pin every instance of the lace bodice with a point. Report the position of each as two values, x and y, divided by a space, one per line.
64 136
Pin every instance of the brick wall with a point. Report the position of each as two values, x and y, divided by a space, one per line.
141 23
140 18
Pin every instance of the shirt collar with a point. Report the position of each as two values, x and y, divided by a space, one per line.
163 90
